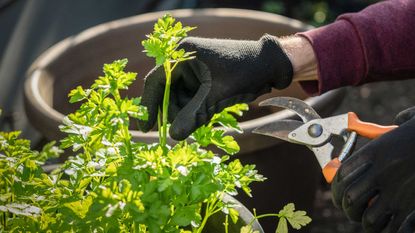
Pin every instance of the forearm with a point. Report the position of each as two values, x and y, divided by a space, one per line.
302 57
373 45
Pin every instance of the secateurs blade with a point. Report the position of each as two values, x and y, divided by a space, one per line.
318 133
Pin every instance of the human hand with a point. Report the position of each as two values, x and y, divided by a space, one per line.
224 72
376 185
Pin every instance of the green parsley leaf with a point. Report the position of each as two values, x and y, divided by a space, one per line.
282 226
183 216
78 94
297 219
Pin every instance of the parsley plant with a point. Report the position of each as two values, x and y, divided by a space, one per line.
115 184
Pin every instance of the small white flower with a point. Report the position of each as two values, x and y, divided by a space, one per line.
110 210
122 205
33 210
105 142
84 131
40 198
92 164
70 171
20 168
216 170
216 160
101 162
142 166
232 193
112 150
104 86
67 121
116 121
3 143
251 173
183 170
55 150
194 224
76 146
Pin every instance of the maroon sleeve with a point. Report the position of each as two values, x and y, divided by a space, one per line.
375 44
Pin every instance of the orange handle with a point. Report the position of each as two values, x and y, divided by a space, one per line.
330 170
366 129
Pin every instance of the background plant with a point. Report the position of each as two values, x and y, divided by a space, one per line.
314 12
24 187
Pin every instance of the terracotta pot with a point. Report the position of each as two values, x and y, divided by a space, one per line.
78 60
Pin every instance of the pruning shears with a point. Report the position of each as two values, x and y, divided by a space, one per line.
318 133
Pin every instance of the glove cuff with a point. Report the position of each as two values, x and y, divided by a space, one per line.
277 61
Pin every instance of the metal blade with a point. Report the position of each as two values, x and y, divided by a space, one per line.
323 153
302 109
279 129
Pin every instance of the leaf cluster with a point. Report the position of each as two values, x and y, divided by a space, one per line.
207 134
24 187
163 43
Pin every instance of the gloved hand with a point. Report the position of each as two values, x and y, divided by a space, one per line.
224 72
376 185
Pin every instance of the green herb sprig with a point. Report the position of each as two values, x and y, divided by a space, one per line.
163 45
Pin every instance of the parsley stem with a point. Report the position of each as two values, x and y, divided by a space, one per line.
257 217
159 125
205 218
4 220
166 99
226 223
211 209
127 140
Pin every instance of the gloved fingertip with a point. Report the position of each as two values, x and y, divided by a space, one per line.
145 126
408 225
344 179
151 103
404 116
179 133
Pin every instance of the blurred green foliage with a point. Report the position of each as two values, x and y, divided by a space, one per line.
314 12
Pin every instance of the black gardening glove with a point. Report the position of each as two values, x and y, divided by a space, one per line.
381 173
224 72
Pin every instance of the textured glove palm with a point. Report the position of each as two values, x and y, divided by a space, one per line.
377 184
223 73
